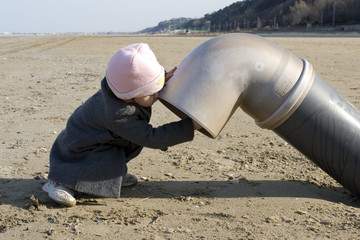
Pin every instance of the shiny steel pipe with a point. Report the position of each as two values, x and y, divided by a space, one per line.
238 70
278 90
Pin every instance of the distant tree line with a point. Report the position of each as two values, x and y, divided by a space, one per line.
273 14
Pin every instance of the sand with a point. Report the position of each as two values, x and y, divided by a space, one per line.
246 184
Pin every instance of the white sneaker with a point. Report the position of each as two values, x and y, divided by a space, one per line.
60 194
129 180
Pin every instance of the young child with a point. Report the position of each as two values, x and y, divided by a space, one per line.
111 128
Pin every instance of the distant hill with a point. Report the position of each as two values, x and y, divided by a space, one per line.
268 14
168 25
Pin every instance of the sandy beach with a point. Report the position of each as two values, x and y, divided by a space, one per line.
248 183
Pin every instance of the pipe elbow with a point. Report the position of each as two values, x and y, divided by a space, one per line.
238 70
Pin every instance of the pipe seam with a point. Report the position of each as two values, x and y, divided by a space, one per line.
294 100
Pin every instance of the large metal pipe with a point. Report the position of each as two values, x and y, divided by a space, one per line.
278 90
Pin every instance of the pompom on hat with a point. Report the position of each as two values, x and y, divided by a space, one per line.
134 71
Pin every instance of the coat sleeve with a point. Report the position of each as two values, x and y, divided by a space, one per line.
144 134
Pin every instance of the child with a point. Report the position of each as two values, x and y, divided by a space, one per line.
111 128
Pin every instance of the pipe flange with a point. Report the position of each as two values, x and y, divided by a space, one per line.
294 100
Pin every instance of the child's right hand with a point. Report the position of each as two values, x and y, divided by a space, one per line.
196 125
169 74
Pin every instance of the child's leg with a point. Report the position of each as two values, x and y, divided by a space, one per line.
60 194
65 196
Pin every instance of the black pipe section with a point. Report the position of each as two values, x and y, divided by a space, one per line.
326 129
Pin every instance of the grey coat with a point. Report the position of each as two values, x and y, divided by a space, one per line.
101 136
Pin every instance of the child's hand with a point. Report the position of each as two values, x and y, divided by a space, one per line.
169 74
196 125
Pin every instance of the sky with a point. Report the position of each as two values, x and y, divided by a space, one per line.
60 16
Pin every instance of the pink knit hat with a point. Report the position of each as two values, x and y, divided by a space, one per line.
134 72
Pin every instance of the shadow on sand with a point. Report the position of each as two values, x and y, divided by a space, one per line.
16 192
